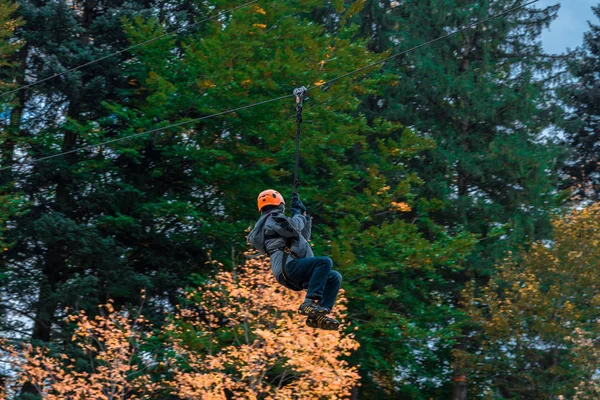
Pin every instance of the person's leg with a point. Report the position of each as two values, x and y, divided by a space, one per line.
314 270
332 287
322 321
311 273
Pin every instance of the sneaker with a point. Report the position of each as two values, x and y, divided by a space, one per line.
312 307
323 322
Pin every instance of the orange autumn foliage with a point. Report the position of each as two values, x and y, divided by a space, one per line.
238 337
110 340
272 354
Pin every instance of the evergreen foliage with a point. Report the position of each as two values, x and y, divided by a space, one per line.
483 97
67 249
583 127
354 174
419 175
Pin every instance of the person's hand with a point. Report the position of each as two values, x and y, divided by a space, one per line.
295 198
297 203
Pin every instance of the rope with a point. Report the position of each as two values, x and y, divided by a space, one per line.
282 97
299 93
125 50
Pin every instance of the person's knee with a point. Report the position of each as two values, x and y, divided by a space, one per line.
335 276
326 262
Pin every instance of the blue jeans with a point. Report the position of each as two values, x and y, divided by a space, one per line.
316 275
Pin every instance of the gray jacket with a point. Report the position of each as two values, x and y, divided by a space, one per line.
278 229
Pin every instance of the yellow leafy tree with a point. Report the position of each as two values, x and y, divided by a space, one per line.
587 350
8 24
254 345
237 337
538 315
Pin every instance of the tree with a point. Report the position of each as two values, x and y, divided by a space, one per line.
12 204
477 96
8 42
483 97
67 249
110 341
148 211
243 337
354 173
537 316
238 335
586 349
583 129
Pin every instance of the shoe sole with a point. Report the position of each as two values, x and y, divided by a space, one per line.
327 324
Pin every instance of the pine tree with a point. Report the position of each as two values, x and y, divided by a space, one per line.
582 129
482 97
147 212
477 96
62 254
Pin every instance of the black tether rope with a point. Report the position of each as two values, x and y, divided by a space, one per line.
299 93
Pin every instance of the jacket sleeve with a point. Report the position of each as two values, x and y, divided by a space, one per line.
289 227
306 232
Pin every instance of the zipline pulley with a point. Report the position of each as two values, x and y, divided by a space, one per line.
300 93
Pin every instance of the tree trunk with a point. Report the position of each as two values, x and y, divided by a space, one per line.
459 392
47 302
355 393
16 115
55 268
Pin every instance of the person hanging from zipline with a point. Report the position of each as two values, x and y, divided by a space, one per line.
285 240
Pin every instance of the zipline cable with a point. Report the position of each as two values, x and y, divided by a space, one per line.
91 146
326 84
474 24
126 49
301 92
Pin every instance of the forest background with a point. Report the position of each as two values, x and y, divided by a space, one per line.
453 186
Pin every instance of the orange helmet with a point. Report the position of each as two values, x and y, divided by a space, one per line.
269 197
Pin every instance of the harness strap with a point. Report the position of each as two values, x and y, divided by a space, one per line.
286 250
287 280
